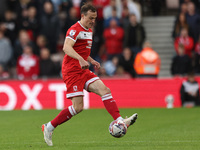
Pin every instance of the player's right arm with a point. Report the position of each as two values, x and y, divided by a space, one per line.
69 50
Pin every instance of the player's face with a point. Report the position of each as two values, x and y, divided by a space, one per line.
89 19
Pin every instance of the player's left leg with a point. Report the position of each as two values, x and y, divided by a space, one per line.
99 88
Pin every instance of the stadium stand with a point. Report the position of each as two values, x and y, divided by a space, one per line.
31 16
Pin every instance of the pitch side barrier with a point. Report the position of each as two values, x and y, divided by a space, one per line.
50 94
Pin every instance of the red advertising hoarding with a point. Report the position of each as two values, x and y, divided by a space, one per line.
50 94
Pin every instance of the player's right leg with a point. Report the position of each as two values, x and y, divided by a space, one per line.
63 116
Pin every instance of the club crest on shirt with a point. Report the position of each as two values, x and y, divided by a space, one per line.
75 88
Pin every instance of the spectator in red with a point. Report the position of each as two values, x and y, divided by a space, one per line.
28 64
113 39
186 40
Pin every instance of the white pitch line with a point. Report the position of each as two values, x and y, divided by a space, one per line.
90 142
87 142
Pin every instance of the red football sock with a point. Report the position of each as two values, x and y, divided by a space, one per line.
63 116
111 106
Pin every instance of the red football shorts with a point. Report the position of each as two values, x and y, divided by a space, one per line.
75 83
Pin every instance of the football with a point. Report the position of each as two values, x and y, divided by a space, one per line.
117 128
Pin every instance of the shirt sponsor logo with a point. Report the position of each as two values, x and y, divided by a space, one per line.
85 35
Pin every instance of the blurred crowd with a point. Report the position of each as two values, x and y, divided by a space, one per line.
32 33
186 35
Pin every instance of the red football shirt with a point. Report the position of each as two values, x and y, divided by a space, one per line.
83 42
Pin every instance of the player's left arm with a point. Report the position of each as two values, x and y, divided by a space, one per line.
94 62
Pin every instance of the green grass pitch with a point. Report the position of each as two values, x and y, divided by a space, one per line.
155 129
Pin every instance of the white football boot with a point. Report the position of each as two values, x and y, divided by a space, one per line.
47 135
131 120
